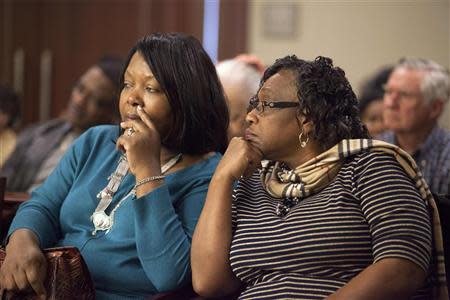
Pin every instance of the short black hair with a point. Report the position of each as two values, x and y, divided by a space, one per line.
9 104
112 67
373 88
326 98
188 78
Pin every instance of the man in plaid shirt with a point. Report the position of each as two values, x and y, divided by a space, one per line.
415 96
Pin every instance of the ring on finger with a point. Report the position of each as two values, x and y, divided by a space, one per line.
130 131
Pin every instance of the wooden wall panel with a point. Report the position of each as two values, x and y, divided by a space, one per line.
84 32
78 32
3 45
233 28
25 17
174 15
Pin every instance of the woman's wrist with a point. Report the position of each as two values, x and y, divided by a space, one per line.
223 178
23 236
146 172
146 168
147 187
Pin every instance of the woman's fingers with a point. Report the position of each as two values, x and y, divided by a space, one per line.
36 277
25 277
140 125
121 144
141 143
8 283
254 156
136 125
20 279
241 158
131 128
145 118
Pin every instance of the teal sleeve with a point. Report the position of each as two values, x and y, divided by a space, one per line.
164 230
41 213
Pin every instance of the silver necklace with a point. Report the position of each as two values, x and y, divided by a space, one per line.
104 222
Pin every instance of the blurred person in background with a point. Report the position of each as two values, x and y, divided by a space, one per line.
9 115
414 99
93 101
240 80
371 101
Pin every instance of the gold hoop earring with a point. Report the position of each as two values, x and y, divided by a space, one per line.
305 142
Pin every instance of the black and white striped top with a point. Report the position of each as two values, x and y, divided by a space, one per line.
370 211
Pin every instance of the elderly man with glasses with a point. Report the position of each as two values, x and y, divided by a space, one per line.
414 99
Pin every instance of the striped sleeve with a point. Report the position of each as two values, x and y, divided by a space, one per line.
398 217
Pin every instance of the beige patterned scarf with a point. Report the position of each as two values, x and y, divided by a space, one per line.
315 174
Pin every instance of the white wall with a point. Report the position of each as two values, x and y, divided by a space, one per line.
360 36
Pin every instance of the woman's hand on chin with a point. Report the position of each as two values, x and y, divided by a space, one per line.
241 159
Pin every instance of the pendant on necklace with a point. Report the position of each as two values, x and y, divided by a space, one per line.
101 222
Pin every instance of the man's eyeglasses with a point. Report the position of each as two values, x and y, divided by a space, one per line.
261 106
91 97
401 94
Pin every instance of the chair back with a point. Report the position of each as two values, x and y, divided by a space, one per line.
2 198
443 204
2 188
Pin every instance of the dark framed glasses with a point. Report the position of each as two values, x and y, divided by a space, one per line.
261 106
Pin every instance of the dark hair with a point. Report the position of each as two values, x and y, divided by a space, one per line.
372 89
188 78
112 67
9 104
326 98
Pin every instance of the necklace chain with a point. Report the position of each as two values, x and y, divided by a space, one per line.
104 222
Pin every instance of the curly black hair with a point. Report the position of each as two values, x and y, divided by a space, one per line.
326 98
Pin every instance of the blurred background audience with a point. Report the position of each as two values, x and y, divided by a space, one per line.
40 45
93 101
371 101
414 99
9 116
240 80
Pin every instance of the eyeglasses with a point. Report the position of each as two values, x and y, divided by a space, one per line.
401 94
261 106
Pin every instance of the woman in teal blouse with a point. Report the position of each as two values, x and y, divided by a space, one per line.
133 228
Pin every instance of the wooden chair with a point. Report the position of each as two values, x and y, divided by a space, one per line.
2 198
443 204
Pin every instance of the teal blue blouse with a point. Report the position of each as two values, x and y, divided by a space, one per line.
147 250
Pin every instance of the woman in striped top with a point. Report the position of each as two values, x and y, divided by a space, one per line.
320 210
